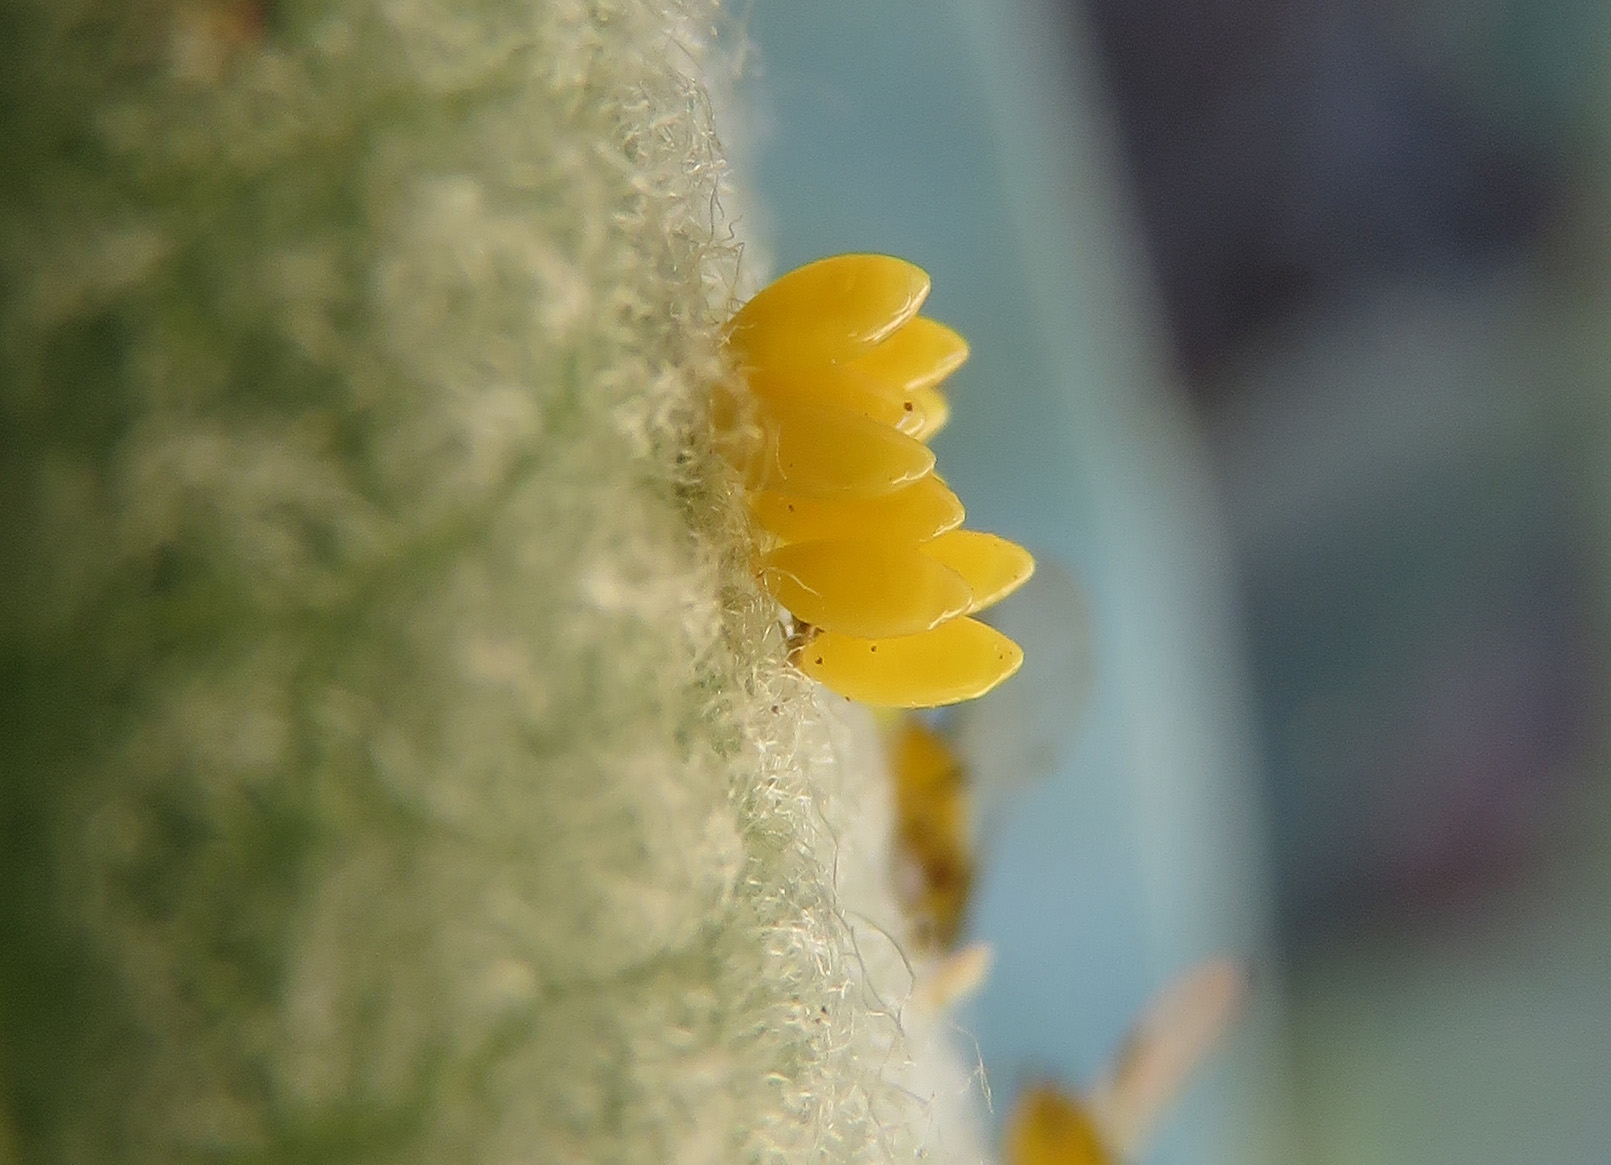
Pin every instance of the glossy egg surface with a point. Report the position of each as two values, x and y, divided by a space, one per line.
955 661
914 513
993 566
866 589
827 312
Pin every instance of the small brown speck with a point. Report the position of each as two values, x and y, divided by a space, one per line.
774 709
873 647
907 406
819 659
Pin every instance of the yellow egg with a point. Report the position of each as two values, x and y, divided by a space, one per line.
1049 1128
993 566
914 513
918 356
932 831
837 387
829 453
827 312
935 410
955 661
866 589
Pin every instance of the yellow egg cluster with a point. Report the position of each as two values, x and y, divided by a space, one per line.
865 548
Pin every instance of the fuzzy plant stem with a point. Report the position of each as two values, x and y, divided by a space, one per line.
398 761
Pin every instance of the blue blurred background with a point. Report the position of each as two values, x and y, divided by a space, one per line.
1289 325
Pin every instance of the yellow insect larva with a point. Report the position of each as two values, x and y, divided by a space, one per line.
829 453
866 589
920 355
1050 1128
827 312
933 834
955 661
993 566
914 513
931 404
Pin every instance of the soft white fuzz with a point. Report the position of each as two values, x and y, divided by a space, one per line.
398 762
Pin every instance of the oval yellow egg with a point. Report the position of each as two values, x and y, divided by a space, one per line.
955 661
827 312
932 830
1049 1128
866 589
830 453
919 355
840 388
914 513
993 566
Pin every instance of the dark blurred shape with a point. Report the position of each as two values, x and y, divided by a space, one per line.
1407 486
1426 698
1283 154
1350 253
